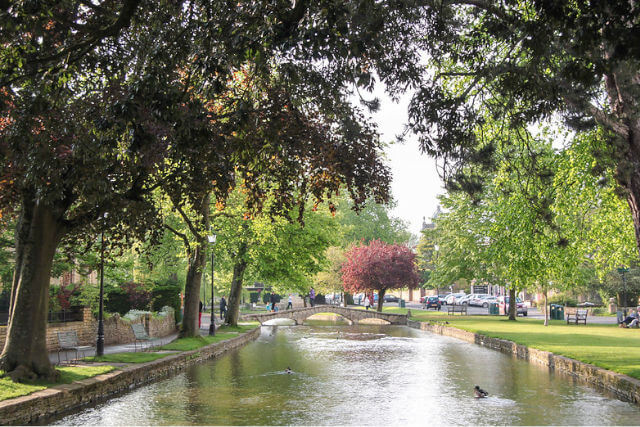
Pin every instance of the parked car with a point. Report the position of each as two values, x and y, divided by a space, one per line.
391 298
431 302
464 300
503 302
477 299
488 300
453 298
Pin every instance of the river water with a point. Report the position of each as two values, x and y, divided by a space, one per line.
360 375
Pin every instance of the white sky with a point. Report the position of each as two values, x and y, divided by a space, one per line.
415 179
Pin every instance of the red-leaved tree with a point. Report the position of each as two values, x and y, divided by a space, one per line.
379 266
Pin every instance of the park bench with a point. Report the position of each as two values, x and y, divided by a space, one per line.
579 315
140 336
453 309
68 340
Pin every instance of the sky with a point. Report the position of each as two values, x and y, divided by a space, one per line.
415 183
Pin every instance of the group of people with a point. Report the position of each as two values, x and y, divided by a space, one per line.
632 319
223 310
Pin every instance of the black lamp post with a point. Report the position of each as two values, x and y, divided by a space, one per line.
212 326
622 271
100 341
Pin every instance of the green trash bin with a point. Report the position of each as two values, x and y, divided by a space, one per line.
493 309
560 313
552 311
401 303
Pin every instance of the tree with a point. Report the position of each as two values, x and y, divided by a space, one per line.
96 112
330 278
526 61
379 266
274 250
373 222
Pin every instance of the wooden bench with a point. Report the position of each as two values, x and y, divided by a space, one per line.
453 309
68 340
140 335
579 315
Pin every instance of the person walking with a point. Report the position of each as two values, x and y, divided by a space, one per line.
200 315
367 303
290 302
223 307
274 300
312 297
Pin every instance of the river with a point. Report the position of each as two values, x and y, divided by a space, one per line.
360 375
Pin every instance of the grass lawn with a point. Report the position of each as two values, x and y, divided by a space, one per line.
127 357
68 374
606 346
222 333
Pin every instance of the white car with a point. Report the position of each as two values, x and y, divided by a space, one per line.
449 300
488 300
477 299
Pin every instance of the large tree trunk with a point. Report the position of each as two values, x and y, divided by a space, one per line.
235 292
513 305
381 293
621 85
197 262
25 355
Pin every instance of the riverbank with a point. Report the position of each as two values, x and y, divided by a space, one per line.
41 405
525 338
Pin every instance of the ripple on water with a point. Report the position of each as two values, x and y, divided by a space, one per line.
356 375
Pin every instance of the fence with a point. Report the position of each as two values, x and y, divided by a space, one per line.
74 314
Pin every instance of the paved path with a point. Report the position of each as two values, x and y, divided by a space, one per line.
129 347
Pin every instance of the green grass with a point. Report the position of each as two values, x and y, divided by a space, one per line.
606 346
242 327
68 374
126 357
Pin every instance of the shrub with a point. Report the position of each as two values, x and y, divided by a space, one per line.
116 300
254 297
563 300
138 295
166 293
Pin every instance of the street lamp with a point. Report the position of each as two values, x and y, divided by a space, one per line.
100 341
212 326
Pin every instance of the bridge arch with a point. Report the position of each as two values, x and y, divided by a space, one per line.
299 315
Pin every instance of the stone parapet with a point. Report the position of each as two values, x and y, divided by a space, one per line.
40 406
622 386
116 329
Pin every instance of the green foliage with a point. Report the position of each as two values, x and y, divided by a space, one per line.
563 300
254 297
372 222
166 293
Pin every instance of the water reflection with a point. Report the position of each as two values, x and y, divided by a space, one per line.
360 375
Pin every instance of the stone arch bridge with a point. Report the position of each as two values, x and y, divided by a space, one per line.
354 315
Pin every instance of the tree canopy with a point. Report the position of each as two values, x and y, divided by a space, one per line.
379 266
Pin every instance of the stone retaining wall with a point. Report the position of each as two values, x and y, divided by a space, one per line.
622 386
42 405
116 330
